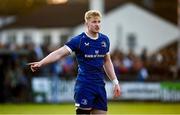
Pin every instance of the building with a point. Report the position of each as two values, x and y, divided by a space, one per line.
129 26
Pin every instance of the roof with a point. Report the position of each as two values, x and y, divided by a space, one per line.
55 16
66 15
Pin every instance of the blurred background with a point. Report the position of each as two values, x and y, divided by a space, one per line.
145 48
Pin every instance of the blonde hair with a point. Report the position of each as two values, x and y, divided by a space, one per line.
91 13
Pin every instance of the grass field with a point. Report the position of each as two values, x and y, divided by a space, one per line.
114 108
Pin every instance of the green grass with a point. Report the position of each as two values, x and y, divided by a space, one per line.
37 109
144 108
114 108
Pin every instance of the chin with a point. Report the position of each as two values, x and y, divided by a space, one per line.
97 31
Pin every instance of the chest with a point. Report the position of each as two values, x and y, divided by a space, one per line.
89 47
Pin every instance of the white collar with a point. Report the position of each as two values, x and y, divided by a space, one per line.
94 38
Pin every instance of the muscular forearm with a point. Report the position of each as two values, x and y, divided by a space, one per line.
54 56
109 68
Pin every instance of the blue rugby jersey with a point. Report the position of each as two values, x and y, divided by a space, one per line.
90 56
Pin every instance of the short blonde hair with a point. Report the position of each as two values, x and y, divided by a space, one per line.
91 13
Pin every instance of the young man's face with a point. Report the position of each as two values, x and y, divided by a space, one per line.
93 24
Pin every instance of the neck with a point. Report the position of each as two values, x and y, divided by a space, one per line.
92 34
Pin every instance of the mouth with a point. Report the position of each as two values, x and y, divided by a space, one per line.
97 28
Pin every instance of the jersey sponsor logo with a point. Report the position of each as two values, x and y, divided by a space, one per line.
93 56
96 55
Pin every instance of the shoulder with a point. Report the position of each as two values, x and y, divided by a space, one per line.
104 37
77 38
74 42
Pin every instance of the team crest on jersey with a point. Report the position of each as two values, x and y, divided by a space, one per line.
84 101
103 44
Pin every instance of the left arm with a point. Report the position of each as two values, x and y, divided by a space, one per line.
109 69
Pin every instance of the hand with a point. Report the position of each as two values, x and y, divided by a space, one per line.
116 91
34 66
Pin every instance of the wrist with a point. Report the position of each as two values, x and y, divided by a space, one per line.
40 64
115 81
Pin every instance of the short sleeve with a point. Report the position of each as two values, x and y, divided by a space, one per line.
108 45
73 44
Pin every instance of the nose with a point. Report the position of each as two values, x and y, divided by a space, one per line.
97 24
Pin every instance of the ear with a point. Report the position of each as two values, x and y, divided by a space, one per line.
85 23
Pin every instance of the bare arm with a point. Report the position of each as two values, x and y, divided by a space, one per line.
109 69
52 57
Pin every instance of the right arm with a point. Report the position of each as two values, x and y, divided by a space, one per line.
52 57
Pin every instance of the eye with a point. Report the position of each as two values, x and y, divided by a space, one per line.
94 22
